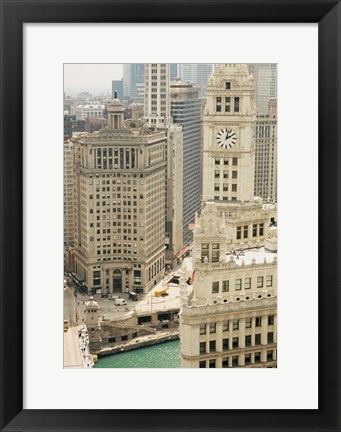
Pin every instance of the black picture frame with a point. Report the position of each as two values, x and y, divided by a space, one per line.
327 13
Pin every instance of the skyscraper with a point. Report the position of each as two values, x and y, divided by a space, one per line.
266 153
229 319
228 131
120 205
196 73
265 75
186 111
157 97
157 114
173 70
69 217
133 73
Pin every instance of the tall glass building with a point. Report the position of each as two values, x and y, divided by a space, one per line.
196 73
265 75
133 73
186 111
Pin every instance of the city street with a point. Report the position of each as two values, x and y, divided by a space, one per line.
72 353
108 311
73 306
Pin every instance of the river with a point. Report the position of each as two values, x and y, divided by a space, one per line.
164 355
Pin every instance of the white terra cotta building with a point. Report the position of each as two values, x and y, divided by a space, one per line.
229 318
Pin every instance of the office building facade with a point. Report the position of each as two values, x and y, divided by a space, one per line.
196 73
266 153
69 216
120 205
186 111
229 314
265 76
157 114
90 109
133 73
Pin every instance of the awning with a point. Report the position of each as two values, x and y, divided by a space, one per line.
181 252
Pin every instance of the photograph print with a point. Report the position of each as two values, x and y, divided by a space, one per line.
170 215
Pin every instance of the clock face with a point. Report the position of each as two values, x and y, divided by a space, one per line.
226 138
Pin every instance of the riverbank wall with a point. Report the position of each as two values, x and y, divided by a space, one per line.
140 342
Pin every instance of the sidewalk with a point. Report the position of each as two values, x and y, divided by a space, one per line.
140 342
76 349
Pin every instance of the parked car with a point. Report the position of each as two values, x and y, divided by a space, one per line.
104 295
133 296
120 302
114 297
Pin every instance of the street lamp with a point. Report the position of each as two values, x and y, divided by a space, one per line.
76 300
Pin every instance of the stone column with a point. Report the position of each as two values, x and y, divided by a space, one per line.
230 334
218 362
253 332
219 340
110 281
131 278
242 333
264 337
207 337
263 356
103 280
123 281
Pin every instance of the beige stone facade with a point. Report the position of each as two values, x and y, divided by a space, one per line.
156 94
174 193
266 153
186 111
229 319
157 114
120 205
228 156
229 316
69 217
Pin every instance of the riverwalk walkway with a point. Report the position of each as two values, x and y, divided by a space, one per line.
140 342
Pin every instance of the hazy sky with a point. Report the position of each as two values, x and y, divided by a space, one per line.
93 78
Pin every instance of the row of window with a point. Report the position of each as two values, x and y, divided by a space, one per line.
225 187
210 252
257 230
227 104
225 161
238 284
235 361
225 174
117 158
234 324
234 343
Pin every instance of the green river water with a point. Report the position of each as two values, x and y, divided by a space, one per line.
164 355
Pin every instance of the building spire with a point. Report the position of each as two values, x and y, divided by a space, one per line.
115 114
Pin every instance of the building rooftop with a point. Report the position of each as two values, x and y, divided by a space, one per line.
252 256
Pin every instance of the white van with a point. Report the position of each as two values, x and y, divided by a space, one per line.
120 302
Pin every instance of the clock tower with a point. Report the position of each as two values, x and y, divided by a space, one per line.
228 153
229 319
